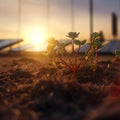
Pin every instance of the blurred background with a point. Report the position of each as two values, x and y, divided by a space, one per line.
34 21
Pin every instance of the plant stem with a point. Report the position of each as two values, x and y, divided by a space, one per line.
73 46
76 57
96 59
70 61
75 66
96 56
82 59
64 62
78 49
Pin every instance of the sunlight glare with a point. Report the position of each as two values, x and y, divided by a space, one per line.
37 37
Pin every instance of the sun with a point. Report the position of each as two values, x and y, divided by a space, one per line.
37 37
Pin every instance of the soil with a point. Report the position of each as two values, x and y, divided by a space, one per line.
31 88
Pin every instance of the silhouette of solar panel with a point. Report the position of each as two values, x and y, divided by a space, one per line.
83 48
110 47
1 40
107 48
9 42
23 47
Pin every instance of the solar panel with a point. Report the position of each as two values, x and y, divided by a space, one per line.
107 48
9 42
84 48
110 47
22 48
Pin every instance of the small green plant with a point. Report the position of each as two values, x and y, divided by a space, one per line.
95 45
57 48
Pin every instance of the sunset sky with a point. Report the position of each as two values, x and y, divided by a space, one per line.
34 14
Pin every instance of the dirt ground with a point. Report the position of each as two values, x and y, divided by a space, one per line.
30 89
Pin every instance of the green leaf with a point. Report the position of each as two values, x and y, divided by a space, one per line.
52 41
95 35
73 35
77 42
61 44
97 44
83 42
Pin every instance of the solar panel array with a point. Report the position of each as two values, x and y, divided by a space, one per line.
107 48
110 47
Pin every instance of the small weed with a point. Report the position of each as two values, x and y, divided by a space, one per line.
57 48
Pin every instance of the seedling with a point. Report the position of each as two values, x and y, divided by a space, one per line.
56 48
96 44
